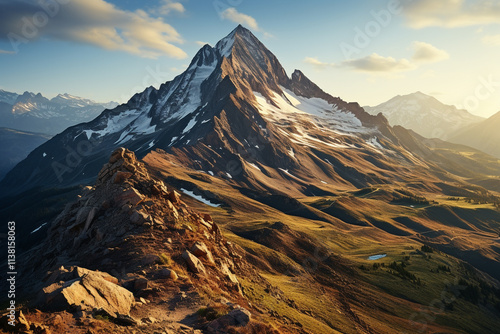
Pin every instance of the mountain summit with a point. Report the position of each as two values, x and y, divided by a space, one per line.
234 100
424 114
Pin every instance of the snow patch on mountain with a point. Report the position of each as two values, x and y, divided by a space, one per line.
225 45
291 107
184 96
200 198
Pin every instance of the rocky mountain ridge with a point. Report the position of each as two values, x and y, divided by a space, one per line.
132 226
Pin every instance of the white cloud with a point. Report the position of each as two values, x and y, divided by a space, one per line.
95 22
6 52
317 63
201 43
491 40
424 53
168 6
451 13
233 15
376 63
268 35
427 53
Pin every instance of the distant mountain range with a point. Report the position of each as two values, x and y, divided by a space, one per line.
484 136
35 113
425 115
16 145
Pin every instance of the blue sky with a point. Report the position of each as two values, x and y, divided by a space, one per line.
365 51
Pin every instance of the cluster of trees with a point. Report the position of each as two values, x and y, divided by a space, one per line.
399 269
479 293
427 249
479 198
442 268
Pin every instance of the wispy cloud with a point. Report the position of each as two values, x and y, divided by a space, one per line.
233 15
427 53
317 63
169 6
201 43
423 53
6 52
451 13
377 63
94 22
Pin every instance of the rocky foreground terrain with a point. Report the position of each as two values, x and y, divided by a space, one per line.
131 257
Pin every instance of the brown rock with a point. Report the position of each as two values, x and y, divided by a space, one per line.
238 317
224 268
168 273
120 176
204 223
141 284
139 217
80 272
194 264
117 155
23 324
150 259
89 292
207 217
174 197
150 320
158 221
199 249
131 196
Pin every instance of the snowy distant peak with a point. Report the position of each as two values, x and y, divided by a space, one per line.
70 100
8 97
424 114
29 97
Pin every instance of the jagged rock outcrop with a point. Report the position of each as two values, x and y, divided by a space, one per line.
237 317
133 227
88 292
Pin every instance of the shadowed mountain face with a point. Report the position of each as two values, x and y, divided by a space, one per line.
310 187
483 136
16 145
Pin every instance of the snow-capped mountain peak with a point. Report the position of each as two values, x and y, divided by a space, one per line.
231 98
424 114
